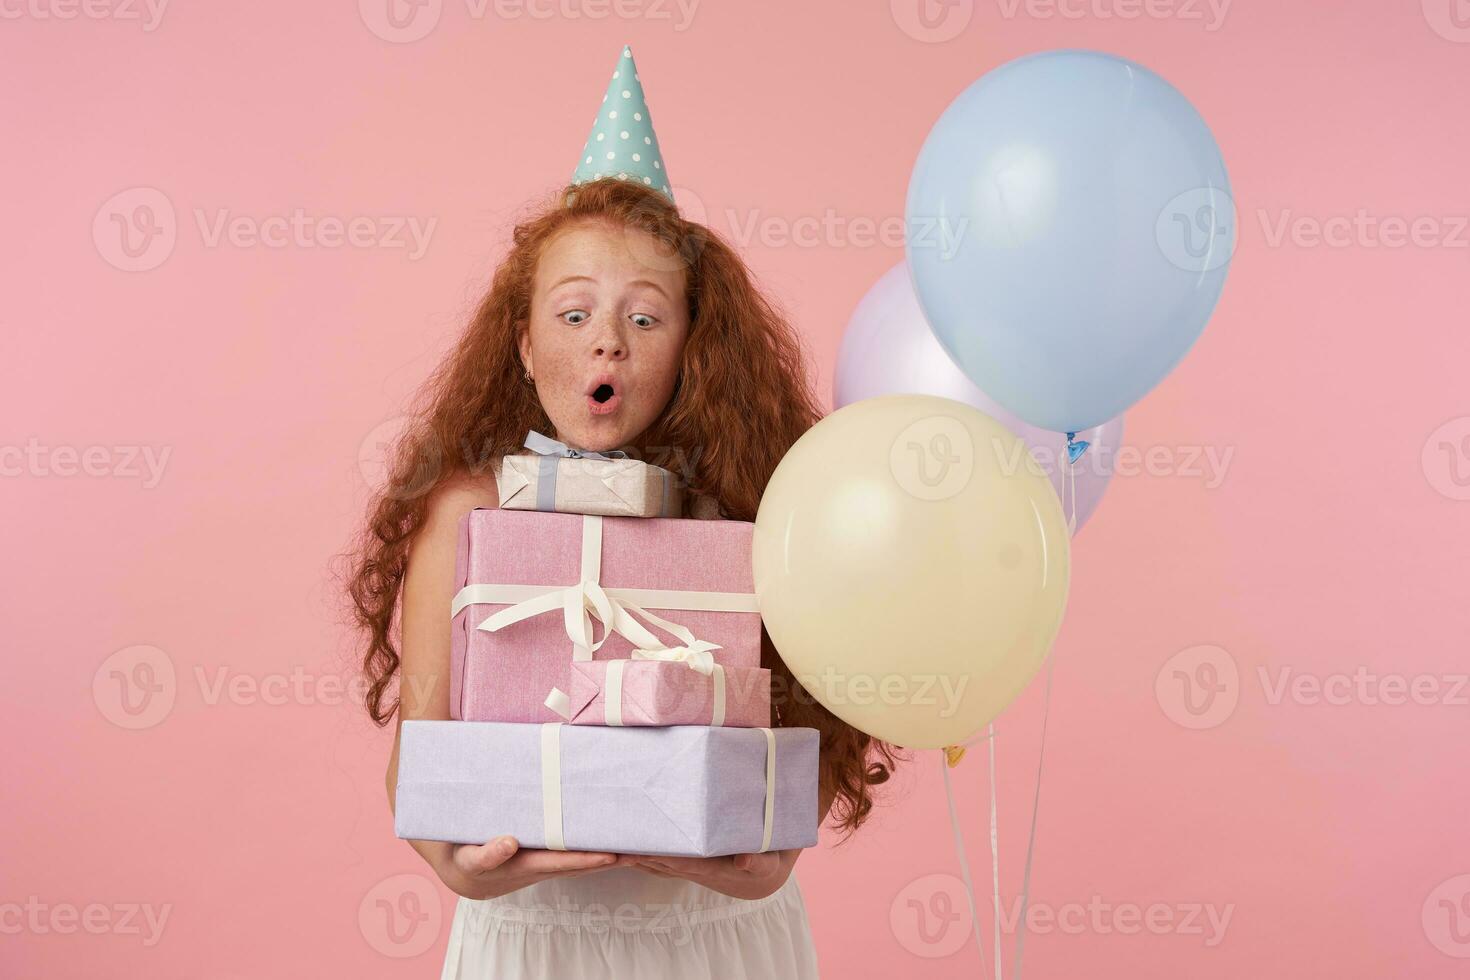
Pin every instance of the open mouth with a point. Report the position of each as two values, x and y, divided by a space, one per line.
603 398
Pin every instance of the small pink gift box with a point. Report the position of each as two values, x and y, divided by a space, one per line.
661 692
539 591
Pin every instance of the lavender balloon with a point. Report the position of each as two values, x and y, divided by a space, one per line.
888 349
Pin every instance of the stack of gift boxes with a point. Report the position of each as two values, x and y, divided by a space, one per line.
606 685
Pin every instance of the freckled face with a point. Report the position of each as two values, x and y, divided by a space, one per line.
605 335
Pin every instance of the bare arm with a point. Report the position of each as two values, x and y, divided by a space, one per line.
499 866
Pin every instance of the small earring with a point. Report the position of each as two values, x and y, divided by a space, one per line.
529 379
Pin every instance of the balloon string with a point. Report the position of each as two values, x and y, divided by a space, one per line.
994 856
1035 811
959 846
1072 454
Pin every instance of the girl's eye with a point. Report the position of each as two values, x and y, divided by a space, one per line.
643 319
575 317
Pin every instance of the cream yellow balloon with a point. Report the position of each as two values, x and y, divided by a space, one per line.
911 563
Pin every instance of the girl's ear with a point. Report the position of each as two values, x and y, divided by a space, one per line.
523 343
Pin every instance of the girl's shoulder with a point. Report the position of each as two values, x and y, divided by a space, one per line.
703 508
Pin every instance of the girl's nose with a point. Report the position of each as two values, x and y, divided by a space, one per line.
609 342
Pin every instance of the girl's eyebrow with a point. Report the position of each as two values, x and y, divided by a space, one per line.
636 282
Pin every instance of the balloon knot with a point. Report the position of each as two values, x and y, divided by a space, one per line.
1075 447
953 754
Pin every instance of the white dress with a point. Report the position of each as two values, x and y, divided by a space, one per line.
628 923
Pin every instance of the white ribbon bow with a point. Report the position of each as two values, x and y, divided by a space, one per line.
697 657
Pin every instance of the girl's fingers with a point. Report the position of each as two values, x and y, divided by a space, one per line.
561 862
479 858
758 864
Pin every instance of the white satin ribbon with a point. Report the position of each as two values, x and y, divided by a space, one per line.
770 789
1070 492
717 715
619 610
696 657
612 693
551 785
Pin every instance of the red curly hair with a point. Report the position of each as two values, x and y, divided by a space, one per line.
741 399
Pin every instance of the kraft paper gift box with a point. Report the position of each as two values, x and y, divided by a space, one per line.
555 477
658 692
539 591
688 790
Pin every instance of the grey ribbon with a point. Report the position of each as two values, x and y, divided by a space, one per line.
550 452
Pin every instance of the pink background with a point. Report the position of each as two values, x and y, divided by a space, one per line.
254 815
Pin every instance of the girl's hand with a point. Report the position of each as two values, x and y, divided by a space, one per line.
499 867
741 875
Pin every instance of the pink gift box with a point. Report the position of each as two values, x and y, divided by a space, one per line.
538 591
655 692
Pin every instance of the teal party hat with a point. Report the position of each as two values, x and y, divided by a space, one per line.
622 143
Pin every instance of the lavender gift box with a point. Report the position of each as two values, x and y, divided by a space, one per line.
540 591
658 692
555 477
687 790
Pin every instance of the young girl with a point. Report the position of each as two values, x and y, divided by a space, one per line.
612 323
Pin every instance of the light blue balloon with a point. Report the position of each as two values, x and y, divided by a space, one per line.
1069 229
